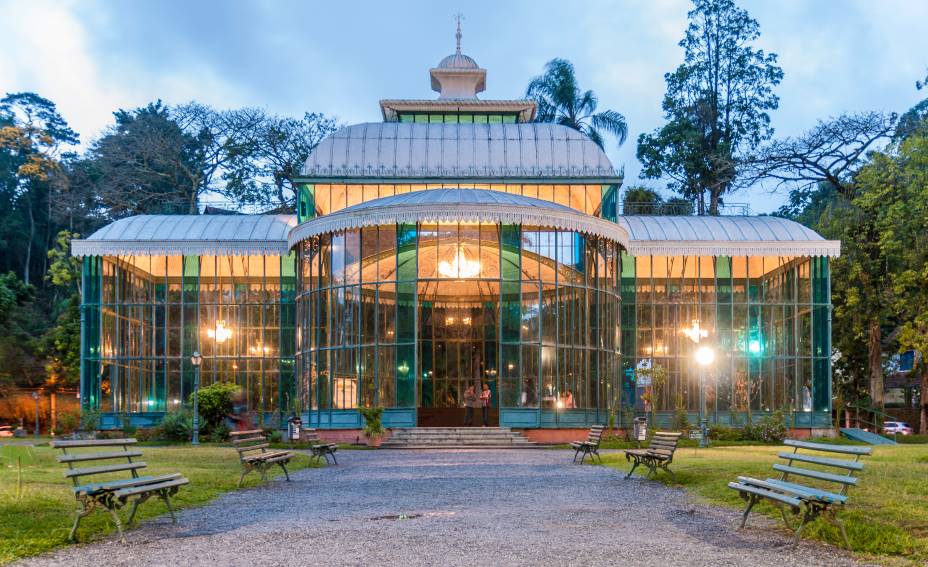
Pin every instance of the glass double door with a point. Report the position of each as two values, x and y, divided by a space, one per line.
458 347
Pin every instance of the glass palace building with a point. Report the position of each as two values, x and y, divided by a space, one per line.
458 243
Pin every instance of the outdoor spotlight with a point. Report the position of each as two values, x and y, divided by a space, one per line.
196 359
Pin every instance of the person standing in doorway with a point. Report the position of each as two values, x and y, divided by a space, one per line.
470 402
486 397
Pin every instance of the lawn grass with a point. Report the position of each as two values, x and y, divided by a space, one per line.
887 513
41 519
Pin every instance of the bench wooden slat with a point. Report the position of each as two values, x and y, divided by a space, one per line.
98 456
279 458
816 493
127 492
72 473
91 443
791 491
265 456
123 483
245 440
247 448
831 477
842 463
773 495
846 449
248 432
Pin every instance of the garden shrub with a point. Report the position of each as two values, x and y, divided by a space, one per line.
275 436
681 421
770 429
176 426
219 433
215 403
68 421
722 433
90 420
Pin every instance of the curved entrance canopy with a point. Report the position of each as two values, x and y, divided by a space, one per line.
460 205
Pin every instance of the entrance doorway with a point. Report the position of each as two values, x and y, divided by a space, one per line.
458 326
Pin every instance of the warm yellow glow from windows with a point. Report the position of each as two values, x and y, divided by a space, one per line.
459 266
220 332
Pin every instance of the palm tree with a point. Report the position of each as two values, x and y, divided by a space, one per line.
560 100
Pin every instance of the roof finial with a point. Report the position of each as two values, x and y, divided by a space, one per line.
459 16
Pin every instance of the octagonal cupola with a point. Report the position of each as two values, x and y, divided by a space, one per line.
458 76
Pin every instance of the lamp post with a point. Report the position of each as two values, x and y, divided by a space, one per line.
705 356
35 396
196 360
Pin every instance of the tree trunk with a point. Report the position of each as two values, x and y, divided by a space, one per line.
923 426
29 243
875 364
713 203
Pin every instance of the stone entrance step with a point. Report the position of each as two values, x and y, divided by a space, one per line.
456 438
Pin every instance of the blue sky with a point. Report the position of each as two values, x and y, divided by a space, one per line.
91 57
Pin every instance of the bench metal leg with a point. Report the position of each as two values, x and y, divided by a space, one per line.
286 474
135 506
334 460
806 517
118 523
576 454
634 466
752 500
832 516
86 508
167 502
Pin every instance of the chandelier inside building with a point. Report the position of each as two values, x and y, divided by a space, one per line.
459 266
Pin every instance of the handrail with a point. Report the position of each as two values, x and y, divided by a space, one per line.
877 426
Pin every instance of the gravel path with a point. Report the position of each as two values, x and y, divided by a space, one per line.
521 507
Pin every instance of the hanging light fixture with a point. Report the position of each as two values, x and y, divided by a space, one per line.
694 332
459 266
221 333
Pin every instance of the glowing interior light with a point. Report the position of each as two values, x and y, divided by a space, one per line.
694 332
754 346
705 356
459 266
221 333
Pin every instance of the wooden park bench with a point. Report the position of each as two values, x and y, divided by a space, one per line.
803 501
252 450
657 455
590 446
113 494
320 449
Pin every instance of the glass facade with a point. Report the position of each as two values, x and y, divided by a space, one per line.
459 118
406 316
322 199
145 315
766 318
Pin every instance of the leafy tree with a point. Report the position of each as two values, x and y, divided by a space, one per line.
561 101
144 163
916 118
639 200
894 192
716 106
281 146
33 140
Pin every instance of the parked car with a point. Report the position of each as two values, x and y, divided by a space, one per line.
893 427
6 431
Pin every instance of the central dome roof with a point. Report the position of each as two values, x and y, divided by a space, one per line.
458 61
